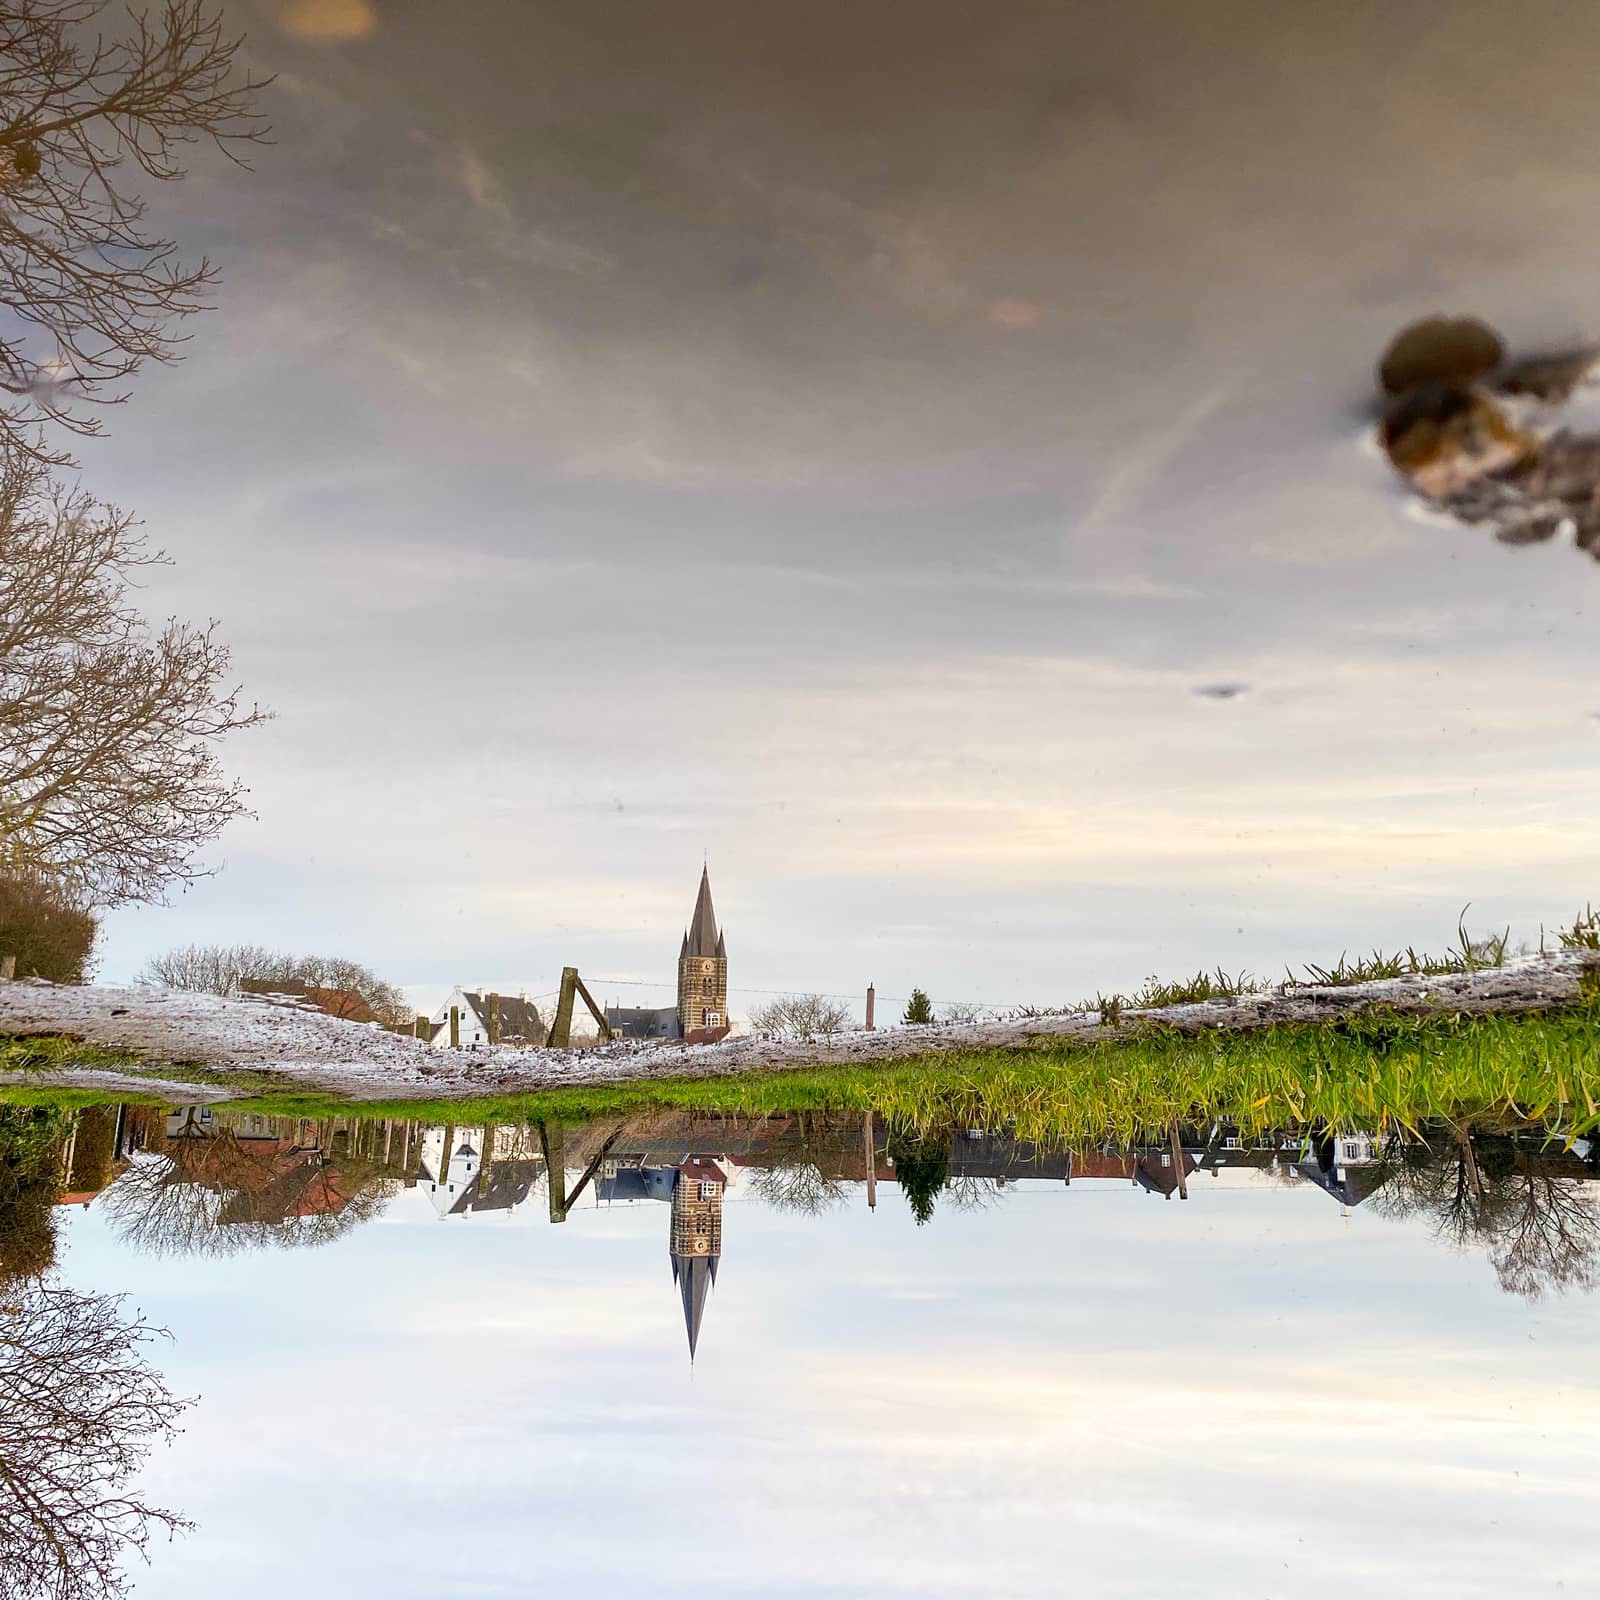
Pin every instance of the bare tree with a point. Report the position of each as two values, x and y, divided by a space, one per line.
801 1016
81 1407
964 1011
215 1194
109 775
214 968
91 293
344 988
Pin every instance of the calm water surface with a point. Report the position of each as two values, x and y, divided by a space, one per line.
418 1377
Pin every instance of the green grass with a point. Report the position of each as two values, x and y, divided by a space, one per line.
1584 934
1466 955
1374 1074
54 1053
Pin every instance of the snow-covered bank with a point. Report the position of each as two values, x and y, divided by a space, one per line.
168 1030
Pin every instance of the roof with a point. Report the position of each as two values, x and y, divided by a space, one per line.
519 1017
288 986
702 939
694 1276
643 1022
348 1003
500 1186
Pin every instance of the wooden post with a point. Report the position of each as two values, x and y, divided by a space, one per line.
8 969
1177 1156
422 1027
872 1006
553 1145
455 1027
602 1027
388 1135
493 1020
561 1027
449 1145
872 1146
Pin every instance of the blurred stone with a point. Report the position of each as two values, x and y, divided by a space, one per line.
1452 351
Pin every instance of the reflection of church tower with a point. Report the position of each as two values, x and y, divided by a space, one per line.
703 968
696 1242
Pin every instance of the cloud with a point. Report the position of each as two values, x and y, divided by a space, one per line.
328 19
509 236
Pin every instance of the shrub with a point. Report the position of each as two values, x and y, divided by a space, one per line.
46 927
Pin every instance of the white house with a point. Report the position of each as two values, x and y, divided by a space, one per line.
520 1022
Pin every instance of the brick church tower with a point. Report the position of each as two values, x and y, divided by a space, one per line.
703 970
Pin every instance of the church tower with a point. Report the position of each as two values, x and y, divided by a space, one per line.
696 1244
703 968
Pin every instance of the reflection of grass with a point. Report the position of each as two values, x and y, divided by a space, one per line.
1466 955
55 1053
1372 1073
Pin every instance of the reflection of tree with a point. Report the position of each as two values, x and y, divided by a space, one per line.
802 1172
1540 1228
223 1195
80 1409
31 1141
921 1165
796 1185
1544 1235
967 1191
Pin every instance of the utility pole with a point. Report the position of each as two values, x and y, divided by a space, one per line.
872 1006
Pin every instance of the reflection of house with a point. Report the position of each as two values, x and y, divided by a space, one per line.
520 1022
460 1183
1345 1166
701 1014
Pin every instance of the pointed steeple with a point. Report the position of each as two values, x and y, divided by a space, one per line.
695 1277
703 936
685 950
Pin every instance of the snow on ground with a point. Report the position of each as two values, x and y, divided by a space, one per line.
168 1029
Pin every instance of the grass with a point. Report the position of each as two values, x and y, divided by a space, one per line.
56 1053
1375 1073
1466 955
1584 934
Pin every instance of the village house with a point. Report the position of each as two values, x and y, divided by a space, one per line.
520 1021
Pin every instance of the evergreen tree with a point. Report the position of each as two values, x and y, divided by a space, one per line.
922 1167
919 1008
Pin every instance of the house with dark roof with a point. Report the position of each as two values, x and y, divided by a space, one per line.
350 1004
520 1021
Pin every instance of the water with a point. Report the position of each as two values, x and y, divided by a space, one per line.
1334 1361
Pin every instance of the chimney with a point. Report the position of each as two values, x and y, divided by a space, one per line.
872 1006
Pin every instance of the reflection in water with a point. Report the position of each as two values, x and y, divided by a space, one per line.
212 1185
80 1410
80 1407
198 1182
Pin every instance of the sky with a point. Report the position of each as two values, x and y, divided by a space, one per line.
1251 1390
842 444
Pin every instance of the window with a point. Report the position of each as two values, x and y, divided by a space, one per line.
1166 1161
708 1189
1352 1151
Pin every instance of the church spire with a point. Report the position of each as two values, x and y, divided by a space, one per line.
703 937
